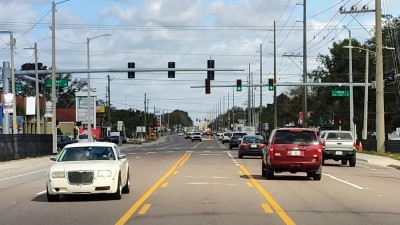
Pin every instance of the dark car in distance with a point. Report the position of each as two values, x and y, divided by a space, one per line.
251 145
292 150
236 138
115 139
63 140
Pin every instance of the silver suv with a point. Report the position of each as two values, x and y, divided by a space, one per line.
339 145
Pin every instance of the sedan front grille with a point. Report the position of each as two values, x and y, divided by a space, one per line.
80 177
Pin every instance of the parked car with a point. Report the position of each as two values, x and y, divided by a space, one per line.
339 145
196 136
292 150
63 140
88 168
235 140
251 145
226 137
181 133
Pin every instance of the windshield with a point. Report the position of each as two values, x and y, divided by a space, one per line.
253 139
86 153
339 136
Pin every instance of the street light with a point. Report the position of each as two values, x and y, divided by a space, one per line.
89 102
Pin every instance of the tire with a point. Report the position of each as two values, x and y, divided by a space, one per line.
263 172
317 175
352 161
118 193
230 147
52 198
344 162
240 155
126 189
310 174
192 140
323 161
269 173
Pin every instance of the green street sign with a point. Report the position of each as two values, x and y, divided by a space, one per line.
59 83
339 93
18 87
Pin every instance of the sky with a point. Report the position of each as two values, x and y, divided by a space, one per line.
152 33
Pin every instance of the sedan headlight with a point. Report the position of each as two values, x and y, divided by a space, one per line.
58 174
104 173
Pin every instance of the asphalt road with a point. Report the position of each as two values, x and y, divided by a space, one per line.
181 182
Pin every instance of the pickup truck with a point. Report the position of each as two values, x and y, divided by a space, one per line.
338 145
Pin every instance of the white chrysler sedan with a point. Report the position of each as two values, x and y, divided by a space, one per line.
88 168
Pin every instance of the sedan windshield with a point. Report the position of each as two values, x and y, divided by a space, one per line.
86 153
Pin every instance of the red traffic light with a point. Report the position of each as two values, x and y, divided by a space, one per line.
340 122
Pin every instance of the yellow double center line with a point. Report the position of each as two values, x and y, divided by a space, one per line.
142 199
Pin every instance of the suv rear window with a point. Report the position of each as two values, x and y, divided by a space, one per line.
294 137
338 136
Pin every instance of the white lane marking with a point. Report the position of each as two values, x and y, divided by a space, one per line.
208 183
365 167
131 153
40 193
137 157
213 177
345 182
209 154
149 153
21 175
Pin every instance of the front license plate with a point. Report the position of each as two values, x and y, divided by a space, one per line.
295 153
339 153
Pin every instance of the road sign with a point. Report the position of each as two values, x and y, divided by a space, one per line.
340 93
119 126
59 83
18 87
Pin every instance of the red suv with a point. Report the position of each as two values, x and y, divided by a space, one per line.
292 150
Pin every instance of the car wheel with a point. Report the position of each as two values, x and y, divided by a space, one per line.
323 161
126 189
52 198
310 174
230 147
240 155
344 162
263 172
269 173
318 174
118 193
352 161
192 140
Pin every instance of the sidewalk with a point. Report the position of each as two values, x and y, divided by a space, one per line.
378 160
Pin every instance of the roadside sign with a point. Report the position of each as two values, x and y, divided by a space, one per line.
119 126
18 87
340 93
59 83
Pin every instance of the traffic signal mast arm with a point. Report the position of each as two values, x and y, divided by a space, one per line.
291 84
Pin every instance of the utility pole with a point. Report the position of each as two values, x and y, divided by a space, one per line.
275 99
53 78
37 92
229 115
233 107
380 107
145 115
248 101
109 99
259 118
305 63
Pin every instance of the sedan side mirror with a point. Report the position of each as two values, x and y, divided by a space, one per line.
122 156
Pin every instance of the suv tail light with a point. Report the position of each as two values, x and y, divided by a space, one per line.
262 145
354 145
245 144
323 144
271 151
